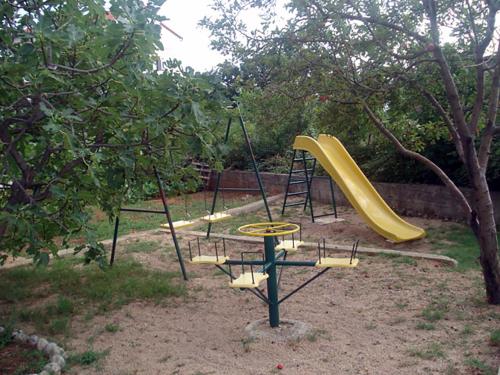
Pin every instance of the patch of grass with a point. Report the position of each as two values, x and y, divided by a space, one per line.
33 362
58 326
86 358
458 243
111 327
6 336
399 259
495 337
479 365
89 287
435 311
144 221
432 351
405 260
315 334
467 330
401 305
425 326
388 255
142 246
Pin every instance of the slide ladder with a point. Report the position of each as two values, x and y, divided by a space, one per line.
302 174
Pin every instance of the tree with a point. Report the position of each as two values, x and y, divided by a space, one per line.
371 54
84 115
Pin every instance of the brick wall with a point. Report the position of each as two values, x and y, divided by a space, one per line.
407 199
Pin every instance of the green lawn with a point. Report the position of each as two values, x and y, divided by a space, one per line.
458 243
67 288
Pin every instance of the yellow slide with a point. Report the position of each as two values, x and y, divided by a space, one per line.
335 159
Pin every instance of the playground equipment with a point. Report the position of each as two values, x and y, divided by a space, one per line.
214 217
179 224
250 278
166 212
204 174
335 159
298 176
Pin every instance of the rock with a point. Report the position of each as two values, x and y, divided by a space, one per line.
2 330
16 334
52 368
44 373
42 343
33 340
22 337
58 359
51 349
63 354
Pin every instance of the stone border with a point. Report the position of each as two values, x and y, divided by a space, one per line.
57 355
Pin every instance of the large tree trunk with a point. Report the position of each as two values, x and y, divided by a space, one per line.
486 234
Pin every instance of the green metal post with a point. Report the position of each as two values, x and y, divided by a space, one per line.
115 238
333 198
170 224
219 176
272 285
255 166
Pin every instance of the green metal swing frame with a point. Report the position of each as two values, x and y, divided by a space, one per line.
254 165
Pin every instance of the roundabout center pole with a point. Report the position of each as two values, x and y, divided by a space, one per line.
272 285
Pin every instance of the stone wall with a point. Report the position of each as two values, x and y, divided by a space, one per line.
407 199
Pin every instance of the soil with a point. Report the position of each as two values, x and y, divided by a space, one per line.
368 320
19 359
383 317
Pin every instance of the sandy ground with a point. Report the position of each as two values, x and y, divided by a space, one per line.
365 322
368 320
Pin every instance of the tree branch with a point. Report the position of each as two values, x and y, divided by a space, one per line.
389 25
449 82
422 159
446 118
112 62
491 128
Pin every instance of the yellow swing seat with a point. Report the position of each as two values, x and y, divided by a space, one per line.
209 259
337 262
178 224
245 280
218 216
290 246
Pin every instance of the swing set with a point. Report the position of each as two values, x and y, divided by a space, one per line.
212 216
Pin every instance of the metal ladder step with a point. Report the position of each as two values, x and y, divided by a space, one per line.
300 159
297 182
301 170
297 193
295 204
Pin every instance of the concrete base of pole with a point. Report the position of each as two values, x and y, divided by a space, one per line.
289 330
